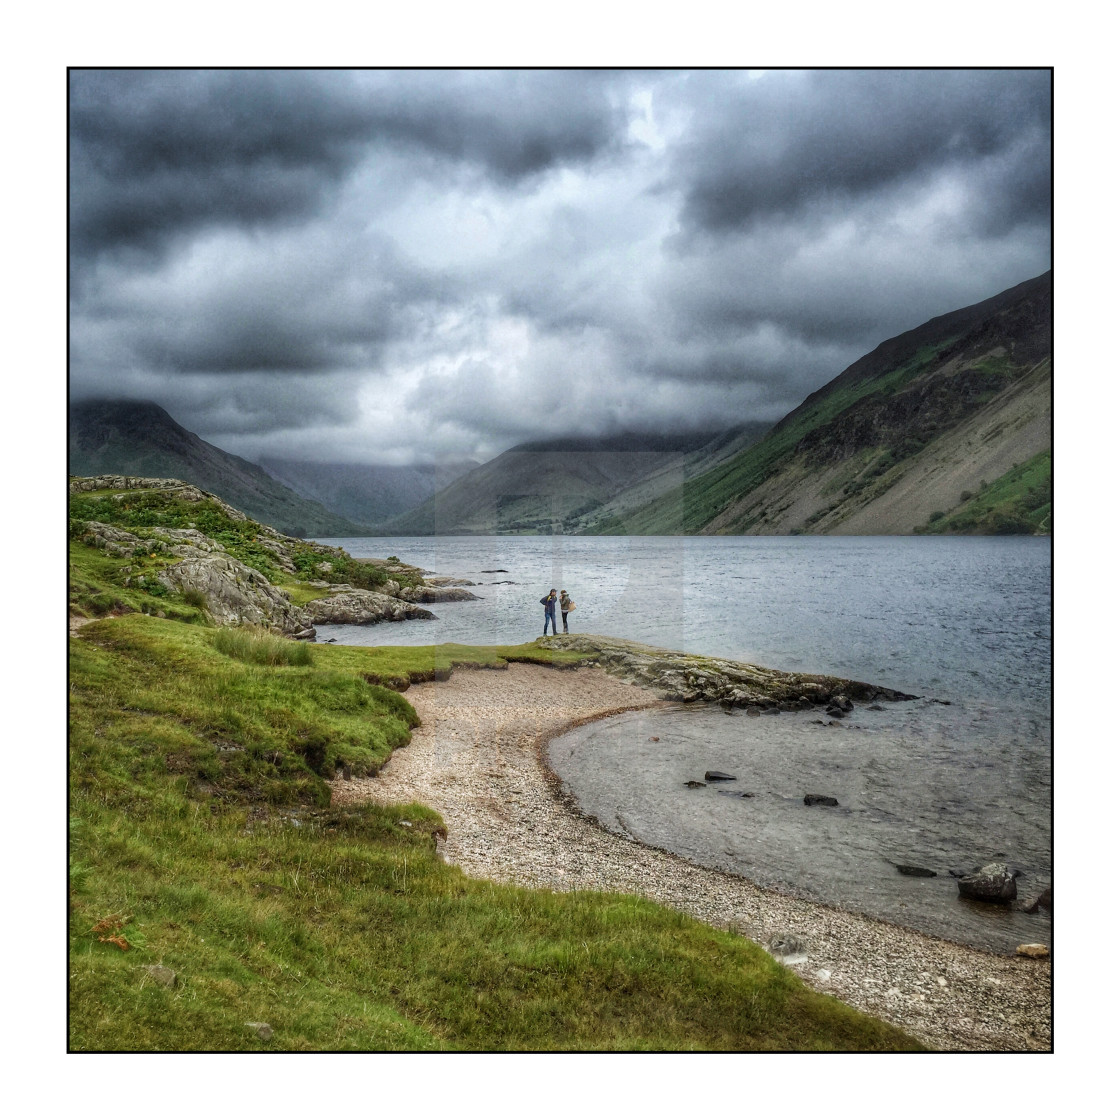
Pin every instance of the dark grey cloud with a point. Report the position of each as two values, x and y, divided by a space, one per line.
395 265
828 138
158 153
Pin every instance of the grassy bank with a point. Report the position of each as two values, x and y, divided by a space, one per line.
203 844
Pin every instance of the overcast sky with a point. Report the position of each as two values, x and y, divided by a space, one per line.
394 266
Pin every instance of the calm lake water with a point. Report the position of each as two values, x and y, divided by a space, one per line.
957 778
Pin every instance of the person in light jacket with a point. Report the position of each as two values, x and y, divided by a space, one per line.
565 603
549 602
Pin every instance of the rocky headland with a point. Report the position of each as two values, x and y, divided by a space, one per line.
234 590
687 677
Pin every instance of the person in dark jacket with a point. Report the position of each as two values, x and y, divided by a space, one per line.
565 603
549 602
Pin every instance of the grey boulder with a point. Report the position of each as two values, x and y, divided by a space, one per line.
994 882
235 593
362 607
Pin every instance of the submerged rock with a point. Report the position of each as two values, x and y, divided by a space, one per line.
994 882
820 799
718 776
1044 900
915 871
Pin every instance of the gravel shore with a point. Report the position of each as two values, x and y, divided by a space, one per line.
478 759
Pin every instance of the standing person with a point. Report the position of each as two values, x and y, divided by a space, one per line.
549 602
565 605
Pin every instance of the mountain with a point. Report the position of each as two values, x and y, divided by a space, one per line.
140 438
368 494
945 428
550 486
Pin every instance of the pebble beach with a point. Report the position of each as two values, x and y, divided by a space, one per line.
478 758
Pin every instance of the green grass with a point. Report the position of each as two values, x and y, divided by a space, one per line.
202 839
257 646
1020 501
97 587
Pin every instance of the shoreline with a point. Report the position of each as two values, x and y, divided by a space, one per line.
480 759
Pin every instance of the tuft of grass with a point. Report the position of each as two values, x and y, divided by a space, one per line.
256 646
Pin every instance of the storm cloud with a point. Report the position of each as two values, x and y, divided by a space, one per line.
402 266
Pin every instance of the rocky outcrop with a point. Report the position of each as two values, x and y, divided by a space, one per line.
184 543
361 608
182 490
994 882
687 677
237 594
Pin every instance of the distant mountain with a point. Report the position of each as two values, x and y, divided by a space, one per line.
552 486
140 438
368 494
945 428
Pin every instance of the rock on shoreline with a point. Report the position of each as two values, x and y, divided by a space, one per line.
363 607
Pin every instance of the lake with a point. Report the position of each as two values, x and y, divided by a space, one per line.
955 779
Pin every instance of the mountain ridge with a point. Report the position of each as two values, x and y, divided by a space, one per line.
366 493
140 438
962 401
548 486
